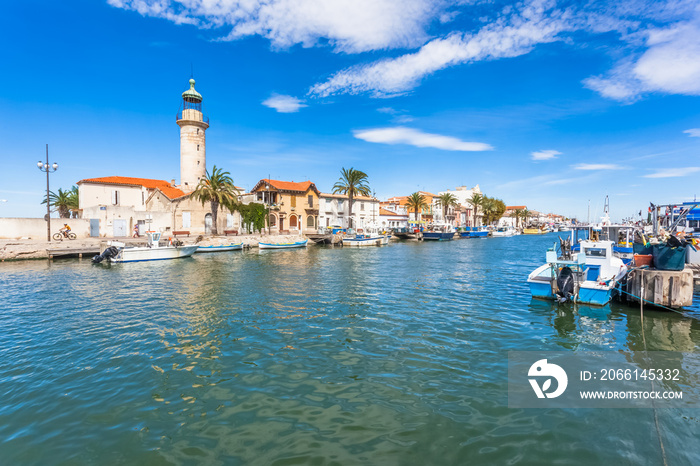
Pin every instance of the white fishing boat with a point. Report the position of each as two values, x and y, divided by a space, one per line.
221 248
296 244
153 251
588 277
369 236
503 231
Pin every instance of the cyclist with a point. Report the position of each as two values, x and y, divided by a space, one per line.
65 230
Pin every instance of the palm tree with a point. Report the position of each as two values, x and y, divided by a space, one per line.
218 189
416 202
61 201
518 213
74 201
351 183
446 200
476 201
525 214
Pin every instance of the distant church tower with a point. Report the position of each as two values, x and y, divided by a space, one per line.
193 150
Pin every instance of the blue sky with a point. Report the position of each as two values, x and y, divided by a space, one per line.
543 103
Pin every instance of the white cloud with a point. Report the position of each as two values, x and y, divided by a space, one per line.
509 36
284 103
545 154
597 166
673 172
414 137
388 110
693 132
349 25
670 64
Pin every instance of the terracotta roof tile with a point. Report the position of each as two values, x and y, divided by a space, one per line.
383 211
164 186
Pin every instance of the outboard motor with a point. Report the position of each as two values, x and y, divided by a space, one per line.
565 285
106 254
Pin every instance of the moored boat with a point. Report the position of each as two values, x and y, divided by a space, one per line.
297 244
221 248
503 231
588 277
439 232
369 236
474 232
153 251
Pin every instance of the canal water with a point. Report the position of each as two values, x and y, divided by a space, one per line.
381 356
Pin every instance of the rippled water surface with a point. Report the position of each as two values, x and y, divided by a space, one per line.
389 356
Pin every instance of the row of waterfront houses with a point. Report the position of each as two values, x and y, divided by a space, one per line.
118 205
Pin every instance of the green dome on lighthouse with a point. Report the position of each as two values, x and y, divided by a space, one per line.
190 95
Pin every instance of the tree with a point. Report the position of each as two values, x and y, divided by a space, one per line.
476 201
488 207
218 189
74 202
61 201
446 200
351 183
525 214
253 216
416 201
518 214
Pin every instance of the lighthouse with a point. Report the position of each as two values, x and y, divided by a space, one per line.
193 126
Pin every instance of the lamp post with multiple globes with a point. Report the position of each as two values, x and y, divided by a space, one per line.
45 167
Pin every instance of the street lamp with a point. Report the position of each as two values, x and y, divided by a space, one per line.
45 167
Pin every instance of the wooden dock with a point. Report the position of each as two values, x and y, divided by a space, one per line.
666 288
65 253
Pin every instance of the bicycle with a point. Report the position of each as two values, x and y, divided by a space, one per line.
63 233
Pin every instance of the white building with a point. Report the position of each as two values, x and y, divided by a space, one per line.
463 215
333 211
392 217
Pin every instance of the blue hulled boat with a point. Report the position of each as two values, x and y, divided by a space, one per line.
439 232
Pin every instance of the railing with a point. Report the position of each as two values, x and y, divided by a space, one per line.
190 113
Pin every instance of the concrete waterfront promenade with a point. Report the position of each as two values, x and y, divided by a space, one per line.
20 249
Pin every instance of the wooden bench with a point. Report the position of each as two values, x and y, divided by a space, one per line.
181 233
231 232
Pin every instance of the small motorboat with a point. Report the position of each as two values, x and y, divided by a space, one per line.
297 244
474 232
153 251
503 231
587 277
369 236
221 248
439 232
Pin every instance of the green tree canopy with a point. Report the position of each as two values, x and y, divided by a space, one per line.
218 189
416 202
351 183
446 200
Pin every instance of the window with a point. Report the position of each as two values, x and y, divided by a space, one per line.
115 197
310 221
197 130
273 220
198 147
186 220
294 201
595 252
362 206
340 203
311 200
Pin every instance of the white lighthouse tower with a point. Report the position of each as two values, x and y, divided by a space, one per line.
193 150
